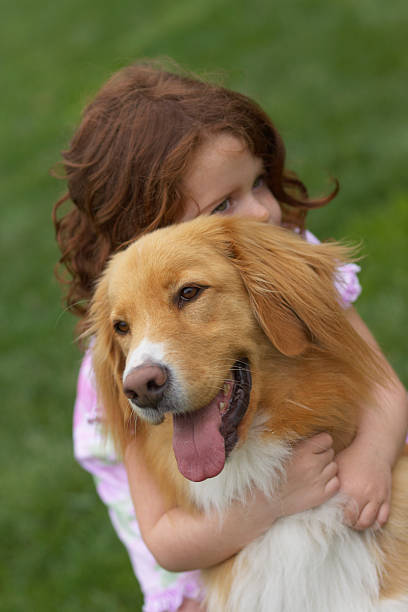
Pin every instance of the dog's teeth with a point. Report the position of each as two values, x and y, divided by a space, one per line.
222 406
226 389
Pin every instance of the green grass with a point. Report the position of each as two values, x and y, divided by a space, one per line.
333 78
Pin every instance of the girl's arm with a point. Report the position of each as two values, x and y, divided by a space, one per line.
376 447
182 541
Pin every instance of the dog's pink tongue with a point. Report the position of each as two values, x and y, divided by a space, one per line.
197 443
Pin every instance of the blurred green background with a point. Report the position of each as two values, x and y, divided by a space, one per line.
332 75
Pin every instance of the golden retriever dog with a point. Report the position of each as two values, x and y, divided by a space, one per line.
219 343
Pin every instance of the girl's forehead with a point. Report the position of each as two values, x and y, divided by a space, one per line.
214 148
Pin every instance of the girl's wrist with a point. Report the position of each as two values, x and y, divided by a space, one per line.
254 516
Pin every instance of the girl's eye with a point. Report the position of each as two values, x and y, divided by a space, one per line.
259 182
189 293
121 327
225 205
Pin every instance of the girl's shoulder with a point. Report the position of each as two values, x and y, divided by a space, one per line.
347 282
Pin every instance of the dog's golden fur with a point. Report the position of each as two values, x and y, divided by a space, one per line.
269 297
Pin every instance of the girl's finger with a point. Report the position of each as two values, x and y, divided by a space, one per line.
367 516
321 442
351 512
332 486
330 471
383 514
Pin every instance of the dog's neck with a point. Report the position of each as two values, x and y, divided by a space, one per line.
304 395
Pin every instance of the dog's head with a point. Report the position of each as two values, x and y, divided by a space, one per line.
186 318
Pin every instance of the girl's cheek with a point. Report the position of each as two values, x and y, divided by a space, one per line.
276 212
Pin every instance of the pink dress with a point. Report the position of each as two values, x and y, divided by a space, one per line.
163 591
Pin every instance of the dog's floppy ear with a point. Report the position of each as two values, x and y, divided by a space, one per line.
279 321
108 364
290 283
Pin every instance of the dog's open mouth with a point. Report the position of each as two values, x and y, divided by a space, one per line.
202 440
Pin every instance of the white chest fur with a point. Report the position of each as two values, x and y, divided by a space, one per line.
309 562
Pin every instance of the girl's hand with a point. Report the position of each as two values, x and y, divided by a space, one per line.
365 478
311 475
365 466
311 479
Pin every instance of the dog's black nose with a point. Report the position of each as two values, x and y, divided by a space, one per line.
145 385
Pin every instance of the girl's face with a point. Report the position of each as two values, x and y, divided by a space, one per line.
226 179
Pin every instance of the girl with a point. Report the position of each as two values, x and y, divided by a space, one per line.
155 148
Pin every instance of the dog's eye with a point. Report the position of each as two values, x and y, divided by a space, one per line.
189 293
121 327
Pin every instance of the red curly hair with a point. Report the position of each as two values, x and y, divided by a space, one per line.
126 161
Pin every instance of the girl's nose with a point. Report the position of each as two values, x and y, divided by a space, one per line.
258 210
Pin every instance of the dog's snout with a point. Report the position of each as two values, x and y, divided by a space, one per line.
145 385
